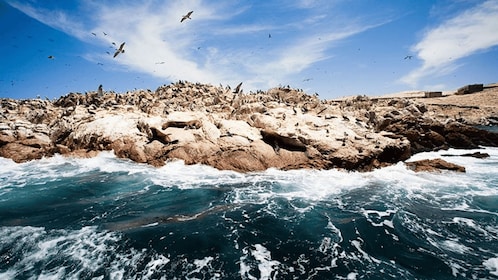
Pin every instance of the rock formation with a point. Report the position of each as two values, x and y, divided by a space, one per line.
281 128
434 165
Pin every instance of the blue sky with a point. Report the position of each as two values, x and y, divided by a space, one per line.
331 47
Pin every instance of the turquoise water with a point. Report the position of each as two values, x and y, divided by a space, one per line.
107 218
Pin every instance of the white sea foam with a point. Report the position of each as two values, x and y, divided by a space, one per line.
365 255
313 184
455 246
471 164
90 247
82 251
471 224
491 265
262 257
202 264
352 276
155 265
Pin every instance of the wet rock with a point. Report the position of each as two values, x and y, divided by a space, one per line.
433 165
128 148
474 155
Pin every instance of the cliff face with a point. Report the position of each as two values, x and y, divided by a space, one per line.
281 128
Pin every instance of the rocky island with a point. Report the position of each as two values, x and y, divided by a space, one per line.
281 128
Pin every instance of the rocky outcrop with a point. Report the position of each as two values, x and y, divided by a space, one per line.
426 134
474 155
434 165
281 128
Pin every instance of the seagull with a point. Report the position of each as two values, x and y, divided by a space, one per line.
187 16
120 50
237 89
409 57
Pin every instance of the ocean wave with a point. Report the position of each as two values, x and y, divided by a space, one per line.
108 218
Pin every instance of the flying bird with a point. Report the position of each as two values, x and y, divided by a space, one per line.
51 57
237 89
409 57
105 34
93 33
187 16
120 50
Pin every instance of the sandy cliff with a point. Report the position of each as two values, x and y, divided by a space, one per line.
281 128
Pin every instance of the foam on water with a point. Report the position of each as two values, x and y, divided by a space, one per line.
492 265
307 184
87 253
257 257
277 224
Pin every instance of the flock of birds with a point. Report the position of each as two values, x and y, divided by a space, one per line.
188 15
184 17
121 47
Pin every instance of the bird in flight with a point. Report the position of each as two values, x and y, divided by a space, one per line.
120 50
51 57
409 57
237 88
187 16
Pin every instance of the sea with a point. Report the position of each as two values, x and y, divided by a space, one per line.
110 218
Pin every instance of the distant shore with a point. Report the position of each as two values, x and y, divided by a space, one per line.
280 128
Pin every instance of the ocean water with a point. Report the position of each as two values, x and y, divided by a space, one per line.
108 218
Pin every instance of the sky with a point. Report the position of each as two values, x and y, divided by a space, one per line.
334 48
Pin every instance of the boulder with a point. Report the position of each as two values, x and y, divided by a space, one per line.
433 165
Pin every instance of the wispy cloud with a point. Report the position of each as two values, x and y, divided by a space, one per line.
213 47
463 35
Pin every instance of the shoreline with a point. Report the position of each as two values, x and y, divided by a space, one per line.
281 128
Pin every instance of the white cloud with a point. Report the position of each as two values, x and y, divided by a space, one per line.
463 35
232 51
